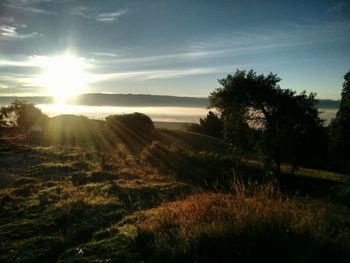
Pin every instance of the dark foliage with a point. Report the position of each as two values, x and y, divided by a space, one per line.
211 125
287 123
134 130
340 130
134 123
23 115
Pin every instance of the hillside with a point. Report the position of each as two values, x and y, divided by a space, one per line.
64 204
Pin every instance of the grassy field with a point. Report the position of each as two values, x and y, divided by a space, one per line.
63 204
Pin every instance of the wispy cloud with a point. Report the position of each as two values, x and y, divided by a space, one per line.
264 38
105 54
110 58
260 40
29 2
34 61
82 11
110 17
10 32
30 9
12 80
16 88
106 17
160 73
15 63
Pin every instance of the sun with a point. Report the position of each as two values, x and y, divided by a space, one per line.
63 76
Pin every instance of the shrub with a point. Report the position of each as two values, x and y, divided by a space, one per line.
70 130
134 124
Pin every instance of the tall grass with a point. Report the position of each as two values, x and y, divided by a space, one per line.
256 223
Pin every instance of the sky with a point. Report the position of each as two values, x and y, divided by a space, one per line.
171 47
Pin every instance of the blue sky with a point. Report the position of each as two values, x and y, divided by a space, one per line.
177 47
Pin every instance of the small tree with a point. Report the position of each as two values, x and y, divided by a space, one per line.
340 129
211 125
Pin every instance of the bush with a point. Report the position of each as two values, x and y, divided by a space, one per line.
201 168
70 130
134 124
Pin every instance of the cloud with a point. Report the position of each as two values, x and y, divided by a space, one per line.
108 59
223 46
267 38
20 71
82 11
110 17
26 8
159 74
16 79
15 63
10 32
29 2
18 90
105 54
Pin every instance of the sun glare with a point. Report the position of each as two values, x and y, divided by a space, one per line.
62 76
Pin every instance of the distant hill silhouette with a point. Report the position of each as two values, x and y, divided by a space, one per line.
136 100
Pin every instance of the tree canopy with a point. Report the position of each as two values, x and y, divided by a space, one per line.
260 116
340 129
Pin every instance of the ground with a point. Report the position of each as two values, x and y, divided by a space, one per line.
63 204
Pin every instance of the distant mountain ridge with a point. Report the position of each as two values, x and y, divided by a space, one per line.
136 100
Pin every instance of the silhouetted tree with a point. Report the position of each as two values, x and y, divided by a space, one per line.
211 125
340 129
258 113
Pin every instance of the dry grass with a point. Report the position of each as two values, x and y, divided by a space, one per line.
256 218
217 212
